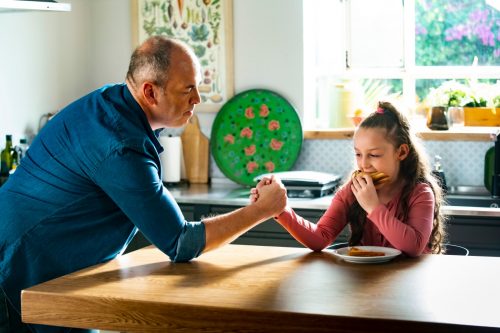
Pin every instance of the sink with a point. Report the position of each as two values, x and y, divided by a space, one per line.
472 201
471 196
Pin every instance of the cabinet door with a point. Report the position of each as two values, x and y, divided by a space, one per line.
481 235
271 233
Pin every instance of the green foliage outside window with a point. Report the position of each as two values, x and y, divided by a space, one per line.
453 32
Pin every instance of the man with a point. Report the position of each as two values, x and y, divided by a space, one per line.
92 177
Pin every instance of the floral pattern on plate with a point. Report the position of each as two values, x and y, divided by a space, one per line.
255 132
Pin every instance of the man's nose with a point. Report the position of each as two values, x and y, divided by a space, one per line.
196 98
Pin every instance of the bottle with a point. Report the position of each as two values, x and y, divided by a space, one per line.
342 104
489 168
6 157
22 148
439 173
14 158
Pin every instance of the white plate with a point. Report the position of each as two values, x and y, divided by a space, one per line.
390 254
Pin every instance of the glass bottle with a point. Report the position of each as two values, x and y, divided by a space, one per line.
22 148
489 168
6 156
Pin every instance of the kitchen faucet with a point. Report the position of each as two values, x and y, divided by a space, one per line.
495 188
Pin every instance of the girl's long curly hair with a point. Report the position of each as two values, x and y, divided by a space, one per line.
414 169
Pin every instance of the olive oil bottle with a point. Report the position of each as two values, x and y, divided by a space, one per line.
6 157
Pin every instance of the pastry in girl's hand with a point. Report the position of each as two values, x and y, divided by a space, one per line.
378 178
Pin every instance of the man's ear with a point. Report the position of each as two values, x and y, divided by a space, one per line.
403 152
149 92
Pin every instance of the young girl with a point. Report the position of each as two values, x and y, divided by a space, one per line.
402 213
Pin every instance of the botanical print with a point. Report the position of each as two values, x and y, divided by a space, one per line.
199 23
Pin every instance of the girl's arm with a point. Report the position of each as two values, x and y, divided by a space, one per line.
320 235
410 236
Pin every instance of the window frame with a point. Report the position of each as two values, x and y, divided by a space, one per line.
409 72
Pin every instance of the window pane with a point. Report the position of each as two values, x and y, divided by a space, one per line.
376 33
453 32
481 89
324 31
338 101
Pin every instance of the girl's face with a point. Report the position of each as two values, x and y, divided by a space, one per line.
375 153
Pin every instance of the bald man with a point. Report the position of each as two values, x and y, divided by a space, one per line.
92 178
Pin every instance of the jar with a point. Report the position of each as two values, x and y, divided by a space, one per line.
437 118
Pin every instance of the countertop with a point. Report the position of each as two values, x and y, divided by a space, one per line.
242 288
235 195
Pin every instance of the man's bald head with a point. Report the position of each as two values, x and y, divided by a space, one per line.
152 59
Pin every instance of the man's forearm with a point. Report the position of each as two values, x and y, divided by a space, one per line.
223 229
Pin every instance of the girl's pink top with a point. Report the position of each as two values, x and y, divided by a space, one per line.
384 225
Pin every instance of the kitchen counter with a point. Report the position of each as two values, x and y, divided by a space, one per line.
476 228
241 288
235 195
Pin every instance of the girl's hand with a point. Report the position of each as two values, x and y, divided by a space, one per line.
363 189
254 195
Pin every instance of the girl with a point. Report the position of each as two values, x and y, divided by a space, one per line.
402 213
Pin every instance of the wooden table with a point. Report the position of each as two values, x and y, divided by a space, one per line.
241 288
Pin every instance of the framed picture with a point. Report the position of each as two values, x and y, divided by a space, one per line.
205 25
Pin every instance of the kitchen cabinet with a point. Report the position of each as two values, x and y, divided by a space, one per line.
480 234
271 233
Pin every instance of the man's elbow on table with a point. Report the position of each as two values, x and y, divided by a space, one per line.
191 242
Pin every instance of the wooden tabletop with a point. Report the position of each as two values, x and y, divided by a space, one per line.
240 288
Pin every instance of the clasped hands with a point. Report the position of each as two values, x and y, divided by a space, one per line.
269 195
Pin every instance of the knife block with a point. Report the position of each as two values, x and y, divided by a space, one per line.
195 148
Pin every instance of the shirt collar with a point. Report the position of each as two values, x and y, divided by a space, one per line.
153 135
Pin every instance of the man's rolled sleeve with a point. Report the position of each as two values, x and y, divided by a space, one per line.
191 242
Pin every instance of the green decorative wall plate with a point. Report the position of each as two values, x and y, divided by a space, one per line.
255 132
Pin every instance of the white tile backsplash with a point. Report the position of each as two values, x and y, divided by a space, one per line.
462 161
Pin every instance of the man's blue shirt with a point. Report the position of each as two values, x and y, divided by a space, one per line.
91 177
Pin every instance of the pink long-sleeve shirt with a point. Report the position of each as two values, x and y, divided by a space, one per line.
383 226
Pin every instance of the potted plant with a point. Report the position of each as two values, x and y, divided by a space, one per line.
474 103
447 99
479 107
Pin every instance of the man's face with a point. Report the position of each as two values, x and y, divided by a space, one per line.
177 100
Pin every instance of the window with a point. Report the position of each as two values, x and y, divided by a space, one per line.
360 51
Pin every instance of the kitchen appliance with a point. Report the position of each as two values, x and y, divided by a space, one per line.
306 184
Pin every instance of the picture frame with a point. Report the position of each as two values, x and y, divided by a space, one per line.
206 26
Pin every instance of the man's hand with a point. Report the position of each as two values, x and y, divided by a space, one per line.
254 191
270 200
269 196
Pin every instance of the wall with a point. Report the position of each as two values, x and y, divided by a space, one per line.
49 59
268 47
